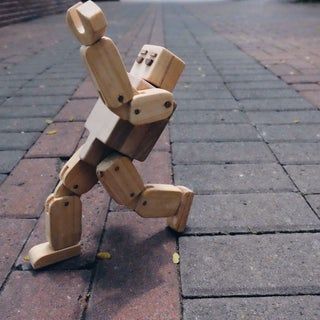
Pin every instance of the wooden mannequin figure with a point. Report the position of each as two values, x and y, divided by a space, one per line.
124 124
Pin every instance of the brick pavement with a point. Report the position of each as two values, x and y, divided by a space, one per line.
244 139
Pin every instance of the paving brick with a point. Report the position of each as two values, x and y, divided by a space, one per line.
301 78
270 264
242 94
142 280
249 78
312 96
25 190
273 84
276 104
306 86
215 132
26 124
51 83
17 141
250 213
232 116
36 101
296 307
44 295
8 160
297 153
306 177
76 110
222 104
284 117
198 86
163 143
49 145
208 94
86 90
13 235
33 111
294 132
202 78
222 152
94 210
239 178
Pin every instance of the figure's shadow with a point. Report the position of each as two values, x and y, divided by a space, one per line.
140 261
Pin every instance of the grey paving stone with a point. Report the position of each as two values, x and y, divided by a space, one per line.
244 71
249 78
306 177
214 132
52 83
297 153
201 78
2 177
36 101
284 117
32 111
46 91
242 94
250 265
273 84
222 104
222 152
262 308
276 104
199 86
19 125
293 132
314 201
213 117
17 141
250 213
238 178
204 94
8 160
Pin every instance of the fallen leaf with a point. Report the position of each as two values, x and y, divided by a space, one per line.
296 121
175 258
26 258
104 255
49 121
51 132
71 119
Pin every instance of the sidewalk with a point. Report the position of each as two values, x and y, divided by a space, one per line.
243 138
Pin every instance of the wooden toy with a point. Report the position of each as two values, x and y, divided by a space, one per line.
124 125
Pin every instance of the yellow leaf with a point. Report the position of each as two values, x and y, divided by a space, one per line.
104 255
296 121
175 258
51 132
49 121
26 258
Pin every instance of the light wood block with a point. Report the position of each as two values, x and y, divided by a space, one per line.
77 175
150 106
87 22
178 222
43 254
108 73
120 178
158 200
159 66
139 83
61 190
136 142
93 151
63 222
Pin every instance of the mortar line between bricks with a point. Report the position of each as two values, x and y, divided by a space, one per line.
254 125
251 296
252 233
